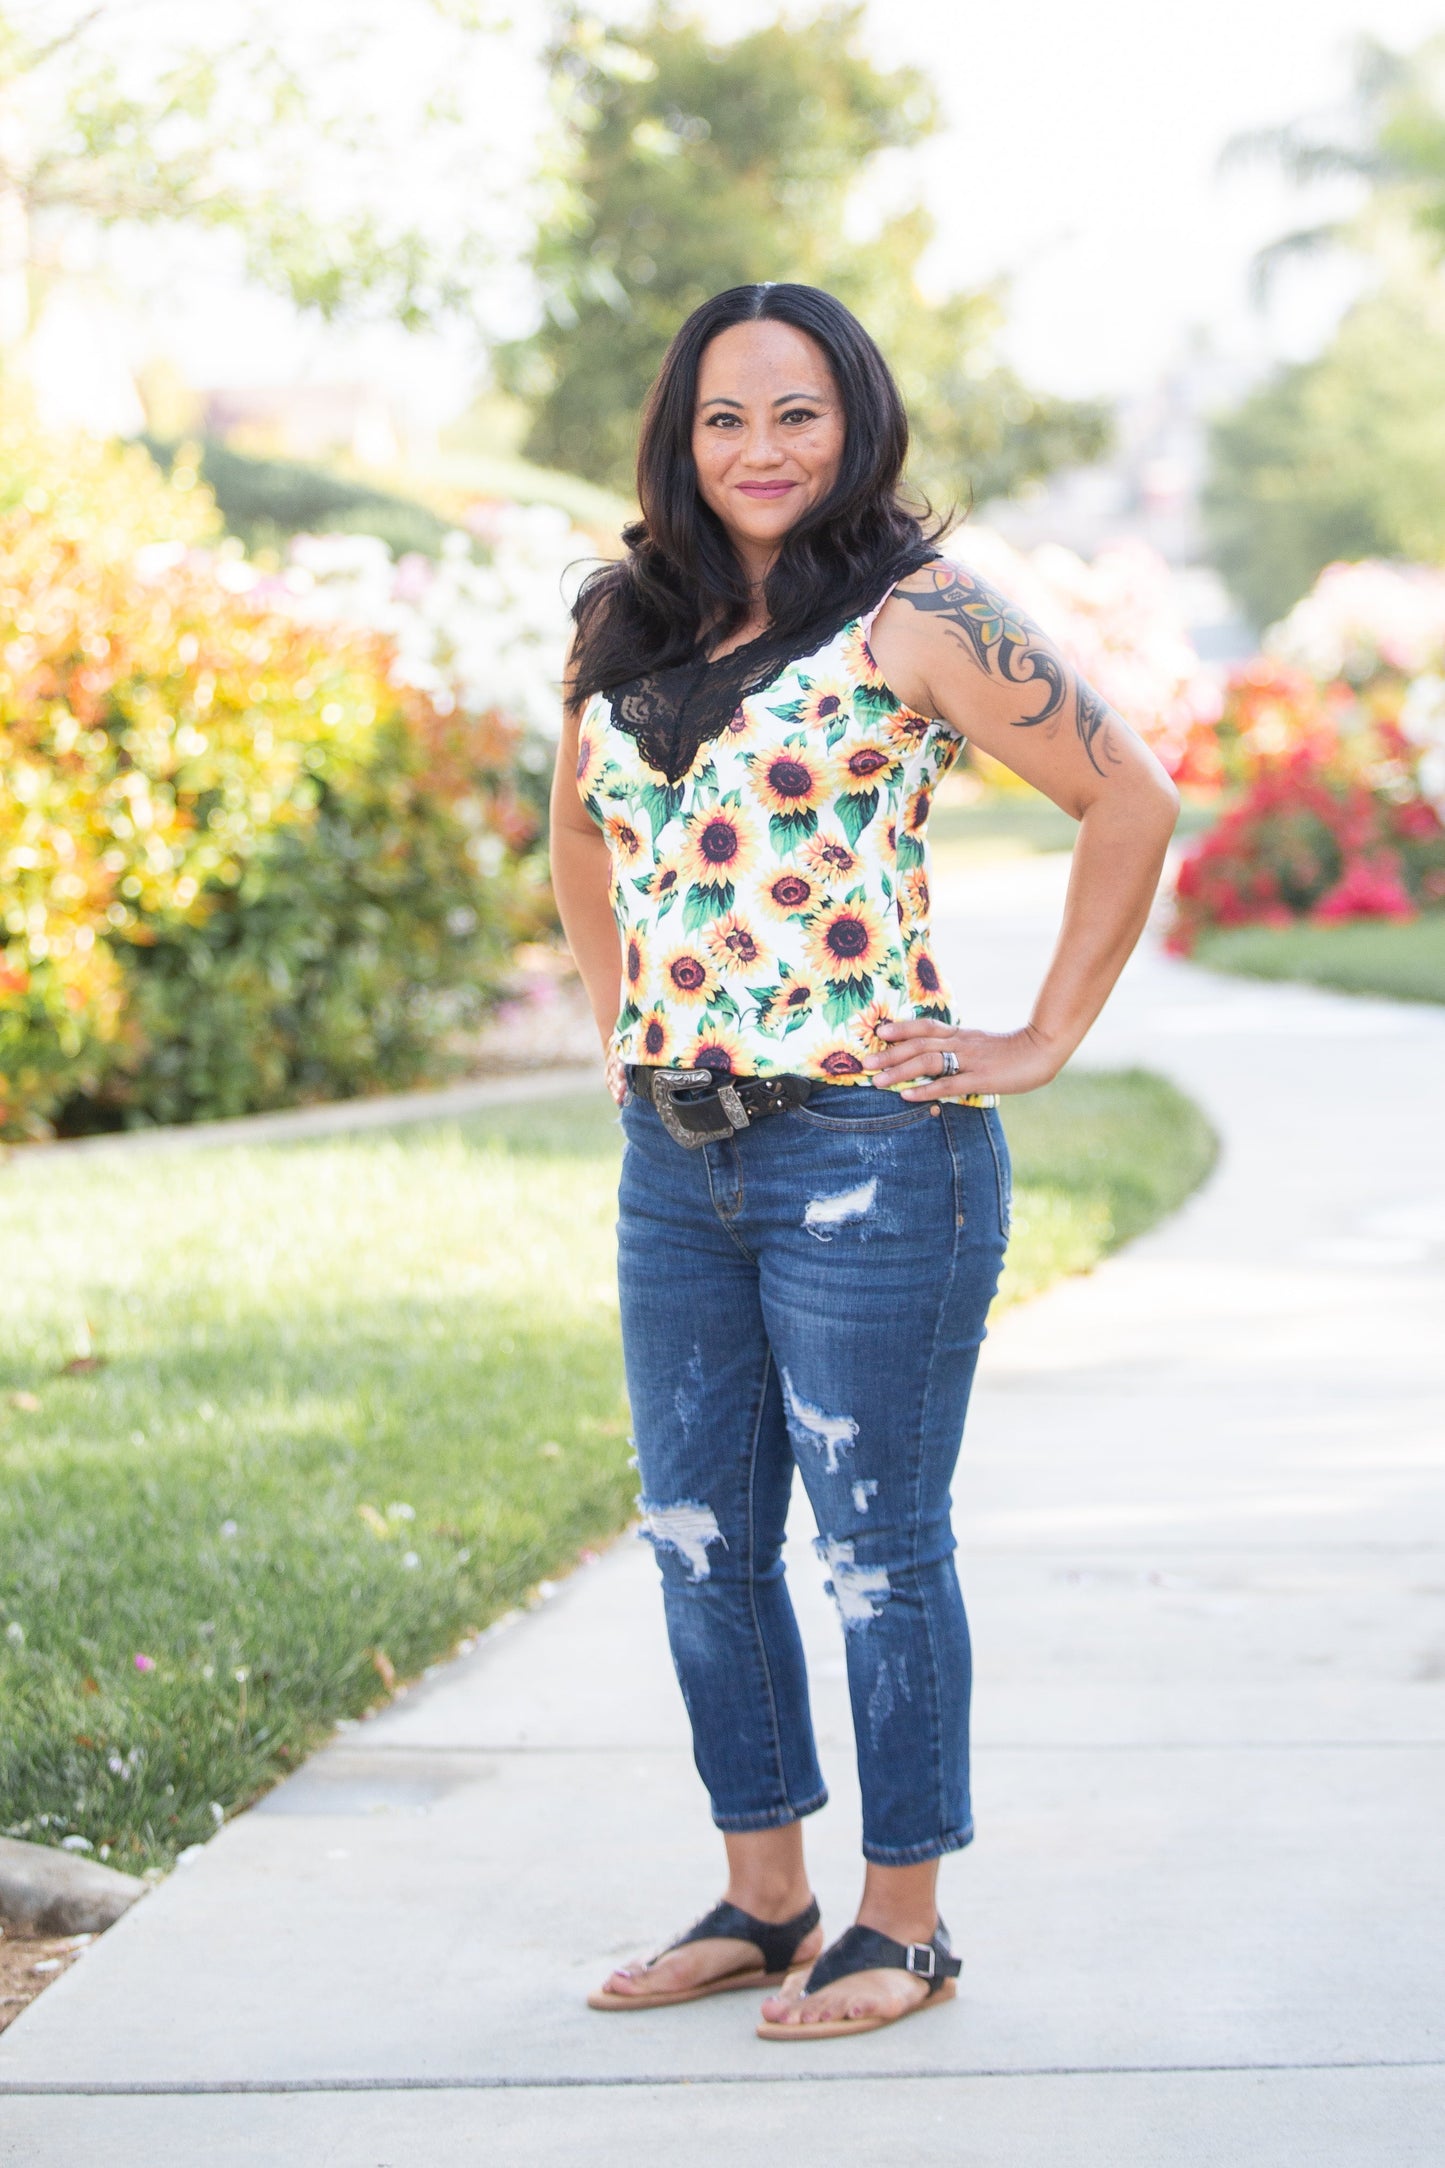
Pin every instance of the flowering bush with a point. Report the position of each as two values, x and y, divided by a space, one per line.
485 637
1361 620
1304 842
1118 621
239 862
1337 735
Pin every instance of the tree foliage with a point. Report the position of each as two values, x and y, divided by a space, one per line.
687 167
1344 456
1391 136
1340 457
257 121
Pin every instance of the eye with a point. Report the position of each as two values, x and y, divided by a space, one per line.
716 421
800 414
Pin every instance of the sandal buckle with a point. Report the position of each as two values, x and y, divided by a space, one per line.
918 1950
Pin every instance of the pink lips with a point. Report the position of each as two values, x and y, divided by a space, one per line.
766 489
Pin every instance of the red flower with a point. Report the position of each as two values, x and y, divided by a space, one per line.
1368 888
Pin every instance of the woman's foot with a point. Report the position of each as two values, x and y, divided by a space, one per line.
698 1964
880 1997
736 1945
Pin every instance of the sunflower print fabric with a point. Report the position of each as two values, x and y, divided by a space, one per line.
773 904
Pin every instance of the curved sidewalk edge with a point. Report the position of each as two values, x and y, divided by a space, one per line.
338 1116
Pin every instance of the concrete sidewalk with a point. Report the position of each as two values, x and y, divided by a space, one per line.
1201 1510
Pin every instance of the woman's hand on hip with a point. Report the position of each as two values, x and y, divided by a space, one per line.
987 1061
616 1072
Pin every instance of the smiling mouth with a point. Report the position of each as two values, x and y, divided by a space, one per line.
766 489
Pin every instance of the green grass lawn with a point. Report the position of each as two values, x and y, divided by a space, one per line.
286 1421
1016 824
1404 963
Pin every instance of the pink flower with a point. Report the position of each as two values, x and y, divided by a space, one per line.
145 1663
1367 889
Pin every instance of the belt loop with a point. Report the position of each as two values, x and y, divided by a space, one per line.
733 1107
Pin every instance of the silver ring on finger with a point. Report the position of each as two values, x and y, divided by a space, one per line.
950 1062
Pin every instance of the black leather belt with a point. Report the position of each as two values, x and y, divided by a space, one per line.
696 1106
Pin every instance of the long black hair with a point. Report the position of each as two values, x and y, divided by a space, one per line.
681 578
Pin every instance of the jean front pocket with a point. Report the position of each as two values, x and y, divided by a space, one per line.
854 1108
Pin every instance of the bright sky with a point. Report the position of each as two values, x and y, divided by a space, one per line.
1079 162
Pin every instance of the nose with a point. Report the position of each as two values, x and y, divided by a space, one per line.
762 448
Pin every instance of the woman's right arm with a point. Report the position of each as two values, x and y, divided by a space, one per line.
581 881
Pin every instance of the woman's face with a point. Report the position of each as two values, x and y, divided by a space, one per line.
767 433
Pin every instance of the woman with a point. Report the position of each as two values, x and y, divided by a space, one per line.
814 1196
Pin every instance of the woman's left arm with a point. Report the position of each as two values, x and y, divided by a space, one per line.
953 647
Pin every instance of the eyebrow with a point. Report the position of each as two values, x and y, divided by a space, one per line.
783 399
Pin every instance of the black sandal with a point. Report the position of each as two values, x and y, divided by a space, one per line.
775 1942
863 1949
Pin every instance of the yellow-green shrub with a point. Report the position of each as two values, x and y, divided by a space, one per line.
238 865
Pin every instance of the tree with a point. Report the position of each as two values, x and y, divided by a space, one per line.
1336 458
687 167
257 122
1344 456
1391 137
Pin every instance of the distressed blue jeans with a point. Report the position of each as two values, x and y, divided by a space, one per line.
812 1292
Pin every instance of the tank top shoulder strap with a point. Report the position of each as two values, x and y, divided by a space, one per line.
866 621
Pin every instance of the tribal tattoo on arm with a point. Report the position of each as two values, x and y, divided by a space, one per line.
1005 644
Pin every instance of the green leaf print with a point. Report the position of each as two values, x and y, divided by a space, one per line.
910 851
704 904
661 802
722 1004
845 996
788 829
870 702
855 809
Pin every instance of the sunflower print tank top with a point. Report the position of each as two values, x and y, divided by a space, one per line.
773 904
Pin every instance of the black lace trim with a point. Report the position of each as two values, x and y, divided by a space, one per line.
671 714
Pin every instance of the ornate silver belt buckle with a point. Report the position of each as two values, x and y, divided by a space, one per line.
664 1083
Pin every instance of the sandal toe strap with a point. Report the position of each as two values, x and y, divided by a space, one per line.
777 1940
864 1949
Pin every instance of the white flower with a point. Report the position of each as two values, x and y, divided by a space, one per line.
1360 618
485 637
1422 718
